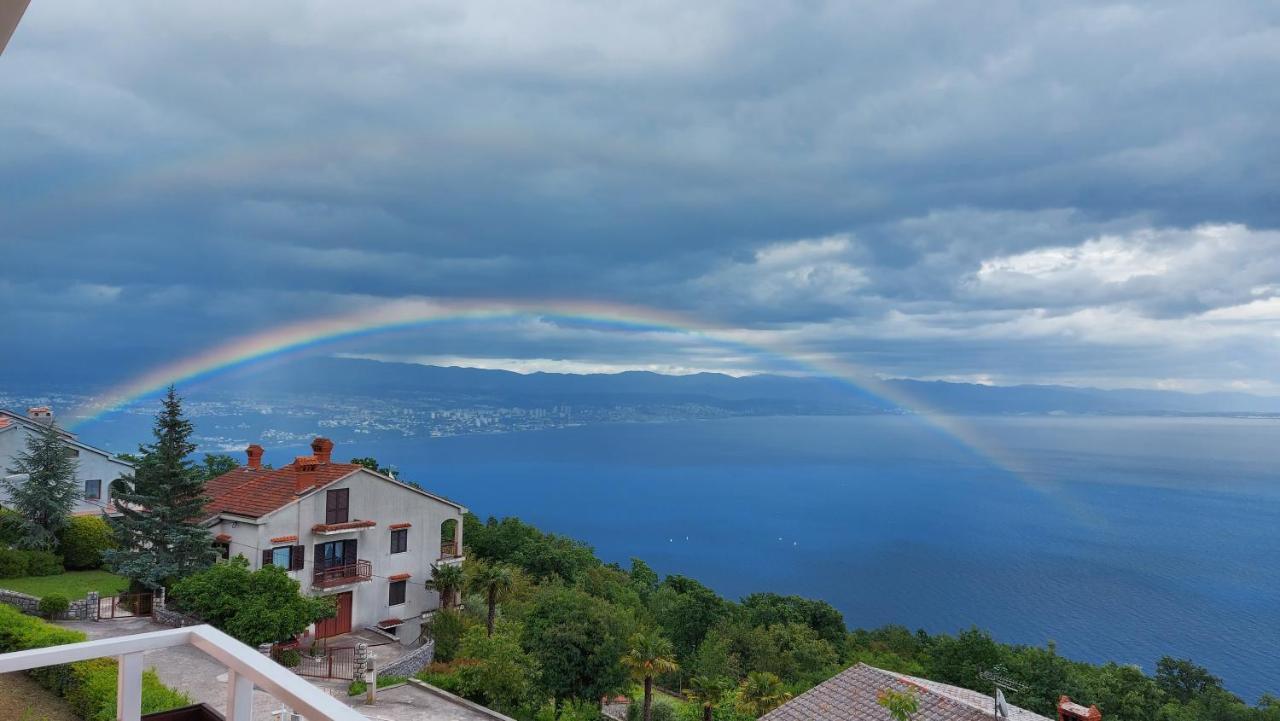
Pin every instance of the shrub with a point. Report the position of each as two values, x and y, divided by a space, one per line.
11 527
88 686
662 710
43 563
13 563
290 658
356 688
446 629
54 604
83 541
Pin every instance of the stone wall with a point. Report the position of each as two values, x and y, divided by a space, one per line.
412 662
168 617
85 609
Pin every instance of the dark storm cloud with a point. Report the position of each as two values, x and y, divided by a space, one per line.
932 189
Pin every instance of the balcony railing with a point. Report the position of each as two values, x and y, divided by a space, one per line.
342 575
449 550
246 668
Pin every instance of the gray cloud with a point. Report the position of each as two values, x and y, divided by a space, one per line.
966 189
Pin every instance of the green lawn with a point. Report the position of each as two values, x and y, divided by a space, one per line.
72 584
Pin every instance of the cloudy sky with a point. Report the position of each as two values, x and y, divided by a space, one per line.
1005 192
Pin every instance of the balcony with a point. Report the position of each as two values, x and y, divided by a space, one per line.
246 668
449 551
335 576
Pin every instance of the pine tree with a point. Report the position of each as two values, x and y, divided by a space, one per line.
160 506
46 498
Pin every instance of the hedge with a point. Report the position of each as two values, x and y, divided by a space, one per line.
15 563
83 541
88 686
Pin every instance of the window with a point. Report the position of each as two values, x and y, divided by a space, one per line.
400 540
290 558
336 504
223 548
395 594
335 554
93 489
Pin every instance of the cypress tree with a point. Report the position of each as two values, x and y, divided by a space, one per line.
160 505
47 497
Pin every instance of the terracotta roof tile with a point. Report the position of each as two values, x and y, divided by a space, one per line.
851 696
399 577
284 539
255 493
398 526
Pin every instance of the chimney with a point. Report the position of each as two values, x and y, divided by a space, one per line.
40 414
255 456
1069 710
304 469
322 449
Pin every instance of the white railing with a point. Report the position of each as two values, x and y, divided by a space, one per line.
246 668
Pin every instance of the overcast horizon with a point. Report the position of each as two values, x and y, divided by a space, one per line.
976 192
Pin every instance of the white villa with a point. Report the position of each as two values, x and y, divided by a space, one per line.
97 468
341 530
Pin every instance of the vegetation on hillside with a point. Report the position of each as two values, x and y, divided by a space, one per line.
573 629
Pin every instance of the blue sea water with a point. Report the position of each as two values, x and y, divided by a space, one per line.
1122 539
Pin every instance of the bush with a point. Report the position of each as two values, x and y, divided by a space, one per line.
13 563
83 541
446 629
88 686
356 688
290 658
43 563
11 527
54 604
662 710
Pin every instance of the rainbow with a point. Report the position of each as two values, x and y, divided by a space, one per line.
289 339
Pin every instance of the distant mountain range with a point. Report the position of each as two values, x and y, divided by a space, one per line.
761 393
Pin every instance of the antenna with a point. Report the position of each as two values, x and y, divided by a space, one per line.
999 676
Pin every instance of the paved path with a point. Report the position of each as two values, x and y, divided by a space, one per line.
409 703
182 667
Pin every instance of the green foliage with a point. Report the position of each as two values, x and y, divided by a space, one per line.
372 464
355 688
43 563
1184 681
901 705
157 531
11 527
83 542
72 584
88 686
543 555
493 580
289 658
14 562
502 674
663 709
45 499
761 692
216 464
961 659
578 641
445 675
53 605
446 628
262 606
686 610
446 579
770 609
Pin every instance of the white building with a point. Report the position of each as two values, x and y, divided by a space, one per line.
97 468
341 530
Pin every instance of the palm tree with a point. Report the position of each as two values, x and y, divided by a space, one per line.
760 693
649 655
710 692
493 580
447 579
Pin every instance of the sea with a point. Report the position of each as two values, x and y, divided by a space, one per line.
1116 538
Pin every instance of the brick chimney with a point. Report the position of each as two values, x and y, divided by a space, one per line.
1069 710
322 449
255 456
40 414
304 469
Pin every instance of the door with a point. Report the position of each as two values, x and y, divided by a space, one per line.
340 623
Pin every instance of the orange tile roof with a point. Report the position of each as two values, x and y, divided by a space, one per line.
284 539
255 493
399 577
398 526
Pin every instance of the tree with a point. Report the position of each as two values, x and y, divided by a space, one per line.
901 705
160 507
578 641
686 610
503 674
1183 680
709 692
768 609
649 655
493 580
263 606
446 579
372 464
46 497
216 464
761 692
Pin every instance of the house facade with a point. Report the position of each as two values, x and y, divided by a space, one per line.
341 530
96 468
